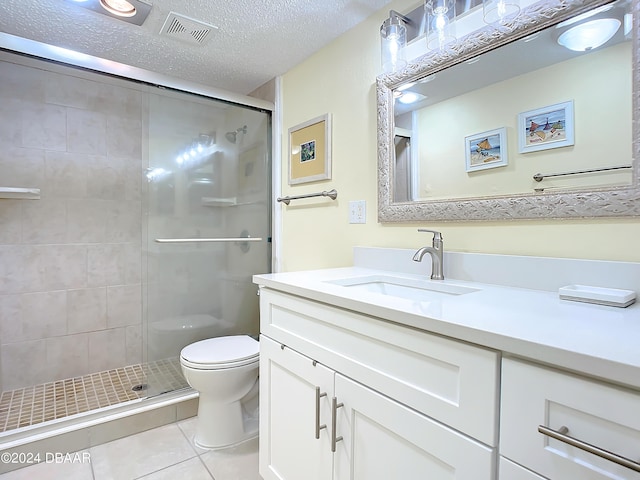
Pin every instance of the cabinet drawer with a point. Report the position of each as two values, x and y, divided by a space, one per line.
450 381
604 416
511 471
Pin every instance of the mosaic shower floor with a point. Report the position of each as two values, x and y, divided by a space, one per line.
40 403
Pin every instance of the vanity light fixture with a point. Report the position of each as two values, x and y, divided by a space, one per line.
500 12
441 29
393 38
130 11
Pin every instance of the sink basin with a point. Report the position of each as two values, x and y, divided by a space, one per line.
407 288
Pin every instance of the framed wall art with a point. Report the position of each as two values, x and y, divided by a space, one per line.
546 127
310 151
486 150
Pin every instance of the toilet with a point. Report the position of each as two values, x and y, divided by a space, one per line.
225 372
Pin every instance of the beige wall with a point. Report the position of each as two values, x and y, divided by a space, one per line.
340 79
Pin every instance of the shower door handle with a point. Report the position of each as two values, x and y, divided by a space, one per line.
207 240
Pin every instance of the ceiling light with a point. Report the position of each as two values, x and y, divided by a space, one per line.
130 11
411 97
121 8
589 35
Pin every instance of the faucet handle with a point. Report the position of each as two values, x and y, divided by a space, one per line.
437 236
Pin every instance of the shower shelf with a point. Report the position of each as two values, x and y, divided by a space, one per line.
20 193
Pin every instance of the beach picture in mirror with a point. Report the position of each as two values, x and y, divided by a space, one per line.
486 150
546 127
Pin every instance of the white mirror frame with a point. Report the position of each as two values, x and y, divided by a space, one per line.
606 202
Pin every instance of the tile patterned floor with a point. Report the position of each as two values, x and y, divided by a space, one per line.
164 453
49 401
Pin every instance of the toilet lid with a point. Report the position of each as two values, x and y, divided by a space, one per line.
221 350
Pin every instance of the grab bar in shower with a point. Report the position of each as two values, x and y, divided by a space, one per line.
207 240
332 194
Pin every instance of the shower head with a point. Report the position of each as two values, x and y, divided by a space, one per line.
232 136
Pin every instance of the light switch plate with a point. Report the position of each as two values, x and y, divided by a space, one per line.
357 211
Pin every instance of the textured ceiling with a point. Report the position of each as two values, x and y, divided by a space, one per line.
256 40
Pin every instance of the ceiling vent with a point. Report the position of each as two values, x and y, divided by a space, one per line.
187 29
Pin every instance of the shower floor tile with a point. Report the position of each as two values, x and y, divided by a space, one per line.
40 403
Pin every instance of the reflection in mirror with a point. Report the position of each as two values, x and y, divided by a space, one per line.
524 124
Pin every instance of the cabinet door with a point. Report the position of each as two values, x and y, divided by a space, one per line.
289 449
383 439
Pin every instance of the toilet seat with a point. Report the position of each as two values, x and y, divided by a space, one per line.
221 353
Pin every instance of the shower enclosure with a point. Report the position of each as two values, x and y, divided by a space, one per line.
132 218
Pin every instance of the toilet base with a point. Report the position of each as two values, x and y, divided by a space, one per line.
221 426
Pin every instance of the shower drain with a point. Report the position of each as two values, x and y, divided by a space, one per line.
139 388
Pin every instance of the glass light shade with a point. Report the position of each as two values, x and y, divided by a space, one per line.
393 37
500 12
589 35
441 27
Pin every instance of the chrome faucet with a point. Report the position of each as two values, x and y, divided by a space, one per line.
436 254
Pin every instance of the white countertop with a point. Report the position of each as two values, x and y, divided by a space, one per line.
599 341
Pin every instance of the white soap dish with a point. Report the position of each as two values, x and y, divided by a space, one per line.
602 296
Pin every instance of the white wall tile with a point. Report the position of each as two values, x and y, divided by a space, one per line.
124 222
124 305
21 82
44 314
107 349
66 174
133 339
44 126
31 271
65 266
23 364
86 310
107 264
86 221
21 167
124 137
10 318
69 91
44 221
86 132
67 357
10 221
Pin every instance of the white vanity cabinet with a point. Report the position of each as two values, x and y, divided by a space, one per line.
349 397
538 401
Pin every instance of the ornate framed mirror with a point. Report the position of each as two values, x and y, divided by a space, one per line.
513 125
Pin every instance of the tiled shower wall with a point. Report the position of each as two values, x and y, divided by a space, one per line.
70 263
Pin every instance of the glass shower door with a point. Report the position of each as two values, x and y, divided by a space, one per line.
208 226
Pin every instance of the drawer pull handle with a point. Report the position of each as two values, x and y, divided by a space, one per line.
561 434
334 416
318 426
